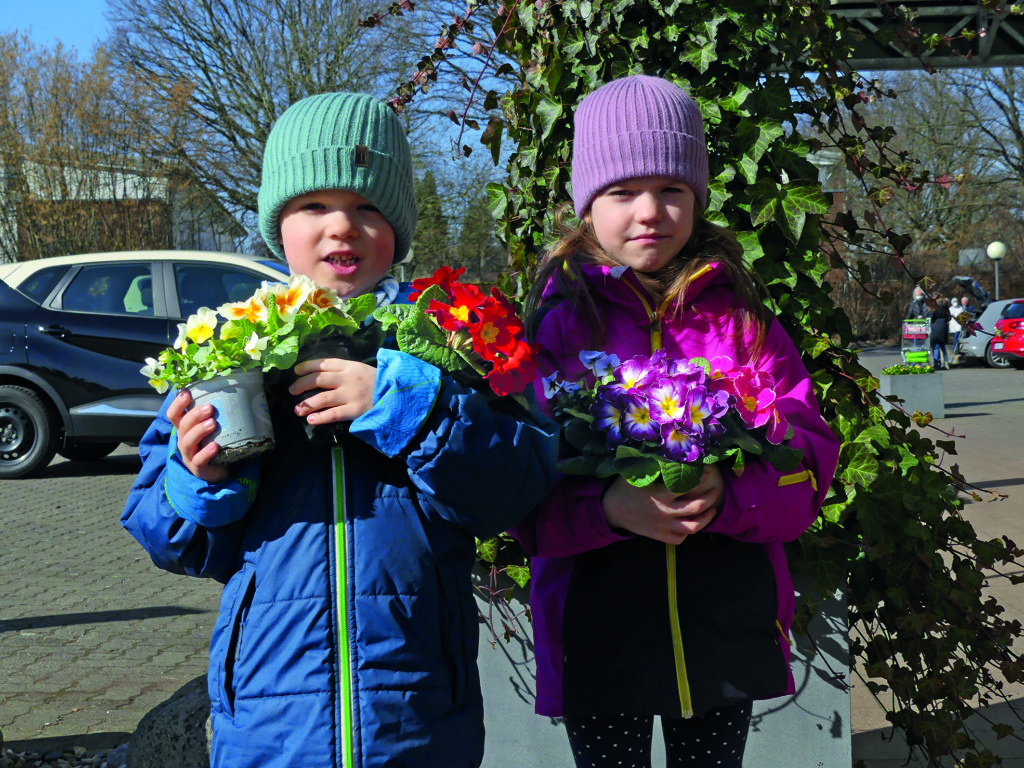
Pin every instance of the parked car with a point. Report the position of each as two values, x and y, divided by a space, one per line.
980 344
74 332
1010 326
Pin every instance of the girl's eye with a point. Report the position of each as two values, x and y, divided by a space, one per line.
369 207
313 205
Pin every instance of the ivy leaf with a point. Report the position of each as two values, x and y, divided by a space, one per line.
520 574
700 56
549 112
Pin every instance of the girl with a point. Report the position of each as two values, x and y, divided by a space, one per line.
645 603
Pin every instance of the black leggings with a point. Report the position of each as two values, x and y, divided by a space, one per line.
713 740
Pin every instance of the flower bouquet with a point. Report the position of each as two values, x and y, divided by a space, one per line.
264 332
475 337
268 332
653 418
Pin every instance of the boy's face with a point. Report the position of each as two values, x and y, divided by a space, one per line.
339 239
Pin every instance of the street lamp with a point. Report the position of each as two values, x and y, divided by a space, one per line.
996 250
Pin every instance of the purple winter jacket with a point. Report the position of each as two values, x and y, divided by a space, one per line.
626 624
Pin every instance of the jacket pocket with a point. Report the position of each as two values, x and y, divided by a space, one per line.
230 637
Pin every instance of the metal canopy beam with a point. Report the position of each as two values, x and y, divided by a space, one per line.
999 42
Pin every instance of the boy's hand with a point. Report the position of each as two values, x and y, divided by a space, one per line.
192 427
657 513
347 389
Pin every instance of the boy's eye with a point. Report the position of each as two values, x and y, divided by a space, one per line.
313 205
369 207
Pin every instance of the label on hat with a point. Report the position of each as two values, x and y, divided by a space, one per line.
361 156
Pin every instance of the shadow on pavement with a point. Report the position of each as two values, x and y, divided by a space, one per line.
94 617
880 748
112 465
91 742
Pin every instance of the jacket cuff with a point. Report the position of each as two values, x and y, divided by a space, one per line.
404 393
209 504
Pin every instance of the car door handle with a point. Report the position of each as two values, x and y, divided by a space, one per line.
55 330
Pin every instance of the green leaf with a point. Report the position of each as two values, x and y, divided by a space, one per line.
700 56
487 550
680 477
549 112
520 574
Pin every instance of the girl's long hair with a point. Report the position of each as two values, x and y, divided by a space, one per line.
709 243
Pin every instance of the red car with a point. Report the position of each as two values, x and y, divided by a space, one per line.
1010 327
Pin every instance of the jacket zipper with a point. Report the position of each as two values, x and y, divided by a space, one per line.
678 656
342 546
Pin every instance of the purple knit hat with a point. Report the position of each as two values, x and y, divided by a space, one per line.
637 126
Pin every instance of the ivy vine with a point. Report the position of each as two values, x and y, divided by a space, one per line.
769 76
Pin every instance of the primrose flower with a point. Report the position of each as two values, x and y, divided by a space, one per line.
659 411
668 401
704 408
638 423
290 297
635 374
608 418
514 372
681 444
253 309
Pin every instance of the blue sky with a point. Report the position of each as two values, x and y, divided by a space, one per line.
76 23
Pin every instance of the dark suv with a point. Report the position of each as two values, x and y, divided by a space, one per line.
74 332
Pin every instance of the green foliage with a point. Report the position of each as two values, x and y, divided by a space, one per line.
891 533
907 370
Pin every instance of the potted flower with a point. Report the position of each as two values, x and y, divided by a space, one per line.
918 386
475 337
221 355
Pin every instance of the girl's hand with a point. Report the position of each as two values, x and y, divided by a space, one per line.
347 385
657 513
193 426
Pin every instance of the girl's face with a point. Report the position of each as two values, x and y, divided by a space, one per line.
644 222
339 239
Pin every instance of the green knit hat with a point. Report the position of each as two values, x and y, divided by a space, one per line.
339 141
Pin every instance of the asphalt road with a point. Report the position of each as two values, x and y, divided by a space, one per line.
92 635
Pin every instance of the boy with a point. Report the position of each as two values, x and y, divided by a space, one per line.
347 633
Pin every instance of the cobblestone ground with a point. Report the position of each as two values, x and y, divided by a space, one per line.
92 634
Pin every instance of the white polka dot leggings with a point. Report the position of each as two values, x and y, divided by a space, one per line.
713 740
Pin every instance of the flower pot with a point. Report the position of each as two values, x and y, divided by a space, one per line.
919 392
325 346
240 408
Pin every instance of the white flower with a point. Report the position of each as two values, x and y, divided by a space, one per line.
255 345
151 370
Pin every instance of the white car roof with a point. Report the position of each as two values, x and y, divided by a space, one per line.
15 273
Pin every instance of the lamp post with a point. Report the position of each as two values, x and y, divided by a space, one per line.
996 250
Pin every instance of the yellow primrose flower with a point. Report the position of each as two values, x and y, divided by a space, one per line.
199 327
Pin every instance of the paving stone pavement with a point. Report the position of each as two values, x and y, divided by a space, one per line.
92 634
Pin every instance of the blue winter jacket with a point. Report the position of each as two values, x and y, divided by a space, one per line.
347 634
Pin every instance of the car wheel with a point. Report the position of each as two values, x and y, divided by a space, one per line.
994 360
87 451
27 436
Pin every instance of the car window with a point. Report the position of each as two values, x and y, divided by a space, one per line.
1013 311
38 285
113 289
210 285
